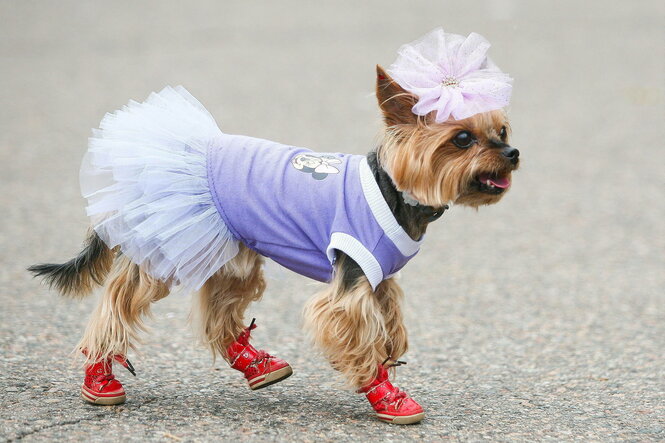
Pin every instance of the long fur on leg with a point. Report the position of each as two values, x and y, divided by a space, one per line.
116 322
223 299
390 297
347 321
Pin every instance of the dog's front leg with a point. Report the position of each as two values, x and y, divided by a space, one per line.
360 331
347 323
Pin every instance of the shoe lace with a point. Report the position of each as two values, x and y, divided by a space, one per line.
260 356
245 335
394 363
396 395
105 379
124 361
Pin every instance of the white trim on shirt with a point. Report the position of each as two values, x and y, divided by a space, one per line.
384 216
354 249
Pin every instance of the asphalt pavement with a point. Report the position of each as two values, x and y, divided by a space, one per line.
540 318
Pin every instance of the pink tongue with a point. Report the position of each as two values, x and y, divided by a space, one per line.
502 183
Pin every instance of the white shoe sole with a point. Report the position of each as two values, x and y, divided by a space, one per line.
106 401
402 419
269 379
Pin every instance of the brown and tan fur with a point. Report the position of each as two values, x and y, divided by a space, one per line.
355 327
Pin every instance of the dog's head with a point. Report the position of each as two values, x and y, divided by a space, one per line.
469 162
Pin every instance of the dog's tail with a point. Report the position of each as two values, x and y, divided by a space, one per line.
77 277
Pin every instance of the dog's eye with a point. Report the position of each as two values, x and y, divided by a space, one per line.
464 139
503 133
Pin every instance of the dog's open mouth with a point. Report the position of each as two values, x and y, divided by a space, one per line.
492 183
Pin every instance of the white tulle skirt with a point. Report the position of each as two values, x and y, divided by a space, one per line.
145 180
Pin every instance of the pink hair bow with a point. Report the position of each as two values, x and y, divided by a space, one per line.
452 75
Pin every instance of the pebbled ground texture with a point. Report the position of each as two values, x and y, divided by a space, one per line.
541 318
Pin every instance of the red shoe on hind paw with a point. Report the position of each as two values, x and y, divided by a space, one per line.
260 368
100 386
391 404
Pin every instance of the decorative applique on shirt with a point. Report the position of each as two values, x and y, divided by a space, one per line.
317 165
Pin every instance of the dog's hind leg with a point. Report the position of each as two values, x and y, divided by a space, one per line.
114 327
223 299
220 316
360 331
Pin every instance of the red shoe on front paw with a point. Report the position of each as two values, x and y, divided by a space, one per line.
391 404
100 386
260 368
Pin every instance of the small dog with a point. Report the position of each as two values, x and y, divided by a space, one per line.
167 217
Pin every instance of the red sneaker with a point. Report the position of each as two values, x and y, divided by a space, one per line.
260 368
100 386
391 404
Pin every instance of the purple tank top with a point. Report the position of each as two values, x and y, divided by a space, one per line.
297 207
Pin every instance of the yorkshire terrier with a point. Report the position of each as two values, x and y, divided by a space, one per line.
174 201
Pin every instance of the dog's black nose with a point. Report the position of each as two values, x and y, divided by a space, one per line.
511 154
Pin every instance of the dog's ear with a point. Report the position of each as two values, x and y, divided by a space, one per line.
394 101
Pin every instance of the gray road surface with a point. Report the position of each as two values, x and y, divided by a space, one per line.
541 318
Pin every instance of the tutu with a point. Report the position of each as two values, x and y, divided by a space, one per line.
145 180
